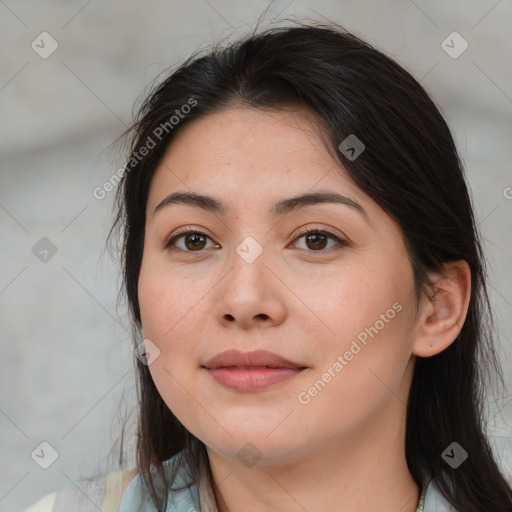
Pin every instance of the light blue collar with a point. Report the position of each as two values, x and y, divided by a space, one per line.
185 498
432 500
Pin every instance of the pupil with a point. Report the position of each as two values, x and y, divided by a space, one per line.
194 236
316 235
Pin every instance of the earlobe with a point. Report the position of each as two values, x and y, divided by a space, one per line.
442 315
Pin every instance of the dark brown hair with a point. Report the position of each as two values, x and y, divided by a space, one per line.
410 167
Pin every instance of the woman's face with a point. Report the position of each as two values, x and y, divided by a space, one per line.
339 305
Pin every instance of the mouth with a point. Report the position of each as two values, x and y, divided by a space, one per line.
251 371
247 367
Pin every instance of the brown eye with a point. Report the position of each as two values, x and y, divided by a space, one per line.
196 241
316 240
193 241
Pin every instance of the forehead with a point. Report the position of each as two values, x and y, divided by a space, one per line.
239 150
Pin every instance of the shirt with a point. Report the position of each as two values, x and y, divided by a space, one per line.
103 493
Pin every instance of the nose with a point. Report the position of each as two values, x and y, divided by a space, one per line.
250 294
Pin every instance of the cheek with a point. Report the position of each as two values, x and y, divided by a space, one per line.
154 300
167 302
170 321
367 313
352 301
358 378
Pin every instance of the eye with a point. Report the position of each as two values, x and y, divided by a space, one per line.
195 241
316 239
192 239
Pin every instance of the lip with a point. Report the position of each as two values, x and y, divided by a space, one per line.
251 371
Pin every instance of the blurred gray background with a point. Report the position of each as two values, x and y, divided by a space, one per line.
66 359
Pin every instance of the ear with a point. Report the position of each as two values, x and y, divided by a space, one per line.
442 315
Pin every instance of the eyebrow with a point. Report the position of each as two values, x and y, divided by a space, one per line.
282 207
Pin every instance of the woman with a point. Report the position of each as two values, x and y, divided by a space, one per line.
305 276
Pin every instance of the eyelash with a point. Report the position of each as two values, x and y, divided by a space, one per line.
341 243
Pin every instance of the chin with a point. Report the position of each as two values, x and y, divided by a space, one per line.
256 445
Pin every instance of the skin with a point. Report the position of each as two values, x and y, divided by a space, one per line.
344 449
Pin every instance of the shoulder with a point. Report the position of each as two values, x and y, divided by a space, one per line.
433 500
116 484
182 492
45 504
103 493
